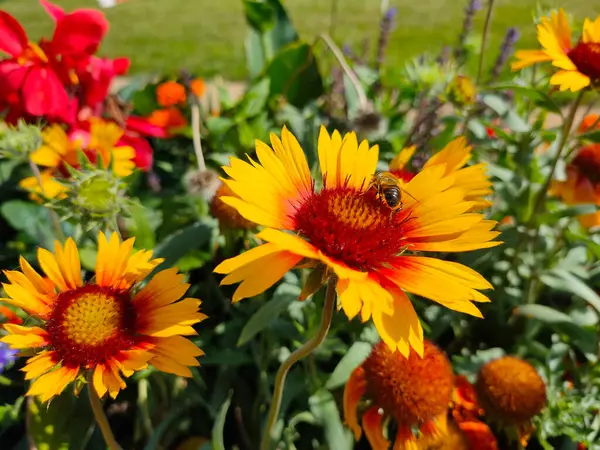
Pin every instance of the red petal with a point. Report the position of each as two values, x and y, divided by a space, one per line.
142 126
55 11
143 151
373 425
13 38
80 32
121 65
43 93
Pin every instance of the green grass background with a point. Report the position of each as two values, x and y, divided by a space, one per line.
207 36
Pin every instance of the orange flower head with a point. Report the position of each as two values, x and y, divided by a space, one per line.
103 329
198 87
170 93
588 122
510 390
415 392
453 439
479 435
227 215
167 118
583 182
579 63
347 226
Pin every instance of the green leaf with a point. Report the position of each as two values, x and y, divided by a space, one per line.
66 423
219 425
284 295
294 74
355 355
255 100
30 218
227 357
140 226
324 409
544 313
496 103
593 136
539 97
218 126
575 285
260 15
144 100
180 243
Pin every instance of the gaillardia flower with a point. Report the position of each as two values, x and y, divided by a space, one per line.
348 228
510 390
106 328
413 391
582 185
454 156
60 148
579 64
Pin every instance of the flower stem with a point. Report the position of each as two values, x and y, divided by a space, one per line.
484 38
196 135
561 145
297 355
101 419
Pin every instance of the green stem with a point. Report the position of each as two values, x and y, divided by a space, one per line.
541 197
484 38
297 355
101 419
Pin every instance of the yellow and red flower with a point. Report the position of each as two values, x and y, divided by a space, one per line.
582 185
414 391
347 228
579 64
454 156
106 328
511 392
60 148
170 93
452 439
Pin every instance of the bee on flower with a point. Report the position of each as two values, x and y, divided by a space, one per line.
345 230
103 329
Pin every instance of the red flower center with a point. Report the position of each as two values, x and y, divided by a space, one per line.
91 324
412 390
587 162
586 56
352 227
403 174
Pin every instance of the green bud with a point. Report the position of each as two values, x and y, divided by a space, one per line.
18 142
97 194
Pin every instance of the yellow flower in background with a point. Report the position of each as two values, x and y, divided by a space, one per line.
454 156
415 392
107 328
60 148
579 65
346 227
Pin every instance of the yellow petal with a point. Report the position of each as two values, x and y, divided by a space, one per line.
164 288
167 365
51 269
98 382
400 160
573 80
527 58
39 365
68 263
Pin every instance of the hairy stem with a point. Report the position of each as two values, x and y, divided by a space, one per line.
100 417
302 352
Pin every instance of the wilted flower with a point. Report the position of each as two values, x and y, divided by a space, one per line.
413 391
103 328
579 65
582 185
227 215
510 390
170 93
349 231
